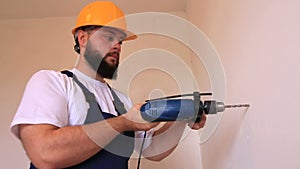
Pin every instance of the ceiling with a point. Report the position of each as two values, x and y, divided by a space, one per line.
25 9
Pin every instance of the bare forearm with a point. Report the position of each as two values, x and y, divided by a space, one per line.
56 147
51 147
63 147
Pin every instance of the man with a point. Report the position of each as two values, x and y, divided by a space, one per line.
73 119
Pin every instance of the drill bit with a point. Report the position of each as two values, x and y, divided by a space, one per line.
237 105
212 106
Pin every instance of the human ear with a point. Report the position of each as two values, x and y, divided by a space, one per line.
82 38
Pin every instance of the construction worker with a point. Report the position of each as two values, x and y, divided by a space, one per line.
74 119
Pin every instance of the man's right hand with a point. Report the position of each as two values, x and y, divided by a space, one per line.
135 122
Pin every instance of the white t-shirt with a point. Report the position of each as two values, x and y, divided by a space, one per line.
51 97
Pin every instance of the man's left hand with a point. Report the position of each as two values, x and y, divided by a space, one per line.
198 125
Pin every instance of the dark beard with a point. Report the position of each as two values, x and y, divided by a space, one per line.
98 63
108 71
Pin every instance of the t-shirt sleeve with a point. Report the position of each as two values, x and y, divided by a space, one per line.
43 102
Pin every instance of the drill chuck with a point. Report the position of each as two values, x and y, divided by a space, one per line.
213 107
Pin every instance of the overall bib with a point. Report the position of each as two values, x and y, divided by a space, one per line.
117 153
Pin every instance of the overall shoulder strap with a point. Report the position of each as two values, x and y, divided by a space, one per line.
94 111
117 102
90 98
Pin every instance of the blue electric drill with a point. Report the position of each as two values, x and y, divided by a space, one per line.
170 109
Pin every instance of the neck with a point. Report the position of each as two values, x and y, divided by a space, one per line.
85 68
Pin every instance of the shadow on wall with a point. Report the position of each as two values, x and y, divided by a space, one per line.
226 134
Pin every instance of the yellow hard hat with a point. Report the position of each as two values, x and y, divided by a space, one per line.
102 13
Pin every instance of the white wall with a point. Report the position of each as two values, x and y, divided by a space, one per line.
28 46
258 43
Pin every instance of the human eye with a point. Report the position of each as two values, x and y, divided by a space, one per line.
109 38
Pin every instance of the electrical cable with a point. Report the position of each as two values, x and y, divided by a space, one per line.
141 150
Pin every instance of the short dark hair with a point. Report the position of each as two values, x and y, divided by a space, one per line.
84 28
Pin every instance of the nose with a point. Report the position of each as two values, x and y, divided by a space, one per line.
117 47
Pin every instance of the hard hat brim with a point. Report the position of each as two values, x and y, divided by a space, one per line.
129 34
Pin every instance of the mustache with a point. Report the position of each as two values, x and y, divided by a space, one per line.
113 54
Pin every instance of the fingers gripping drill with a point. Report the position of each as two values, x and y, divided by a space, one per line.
170 109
